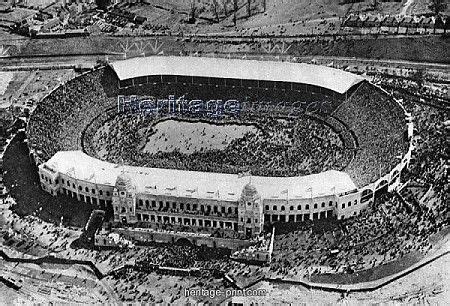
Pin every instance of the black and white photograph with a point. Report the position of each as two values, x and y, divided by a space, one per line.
224 152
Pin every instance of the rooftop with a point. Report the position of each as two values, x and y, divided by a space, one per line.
204 185
326 77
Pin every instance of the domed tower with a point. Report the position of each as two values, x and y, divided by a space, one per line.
250 212
124 199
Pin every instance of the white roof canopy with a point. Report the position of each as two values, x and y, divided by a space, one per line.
204 185
326 77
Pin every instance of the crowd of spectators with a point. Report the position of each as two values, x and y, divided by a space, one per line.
392 228
299 145
58 121
274 150
379 123
416 84
280 147
388 231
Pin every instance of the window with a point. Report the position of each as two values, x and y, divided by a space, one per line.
194 206
267 207
230 210
181 205
249 203
100 192
330 203
188 206
93 191
147 203
174 205
356 202
153 203
299 207
86 189
315 205
256 220
141 203
307 206
349 203
343 205
249 220
291 208
123 210
68 184
62 181
274 207
80 188
107 193
323 204
283 208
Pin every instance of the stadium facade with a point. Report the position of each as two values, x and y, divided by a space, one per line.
206 201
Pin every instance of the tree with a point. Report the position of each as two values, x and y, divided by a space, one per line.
438 6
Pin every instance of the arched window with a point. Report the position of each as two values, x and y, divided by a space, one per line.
282 208
323 204
315 205
291 208
356 202
330 203
299 207
307 206
267 207
86 189
141 203
274 207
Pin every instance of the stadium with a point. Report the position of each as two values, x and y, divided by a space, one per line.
308 142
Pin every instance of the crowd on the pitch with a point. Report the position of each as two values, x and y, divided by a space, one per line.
281 147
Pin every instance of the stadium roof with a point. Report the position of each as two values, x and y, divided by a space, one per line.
326 77
200 185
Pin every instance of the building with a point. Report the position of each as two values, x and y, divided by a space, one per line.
201 201
227 205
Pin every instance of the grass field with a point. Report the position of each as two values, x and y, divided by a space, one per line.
189 137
